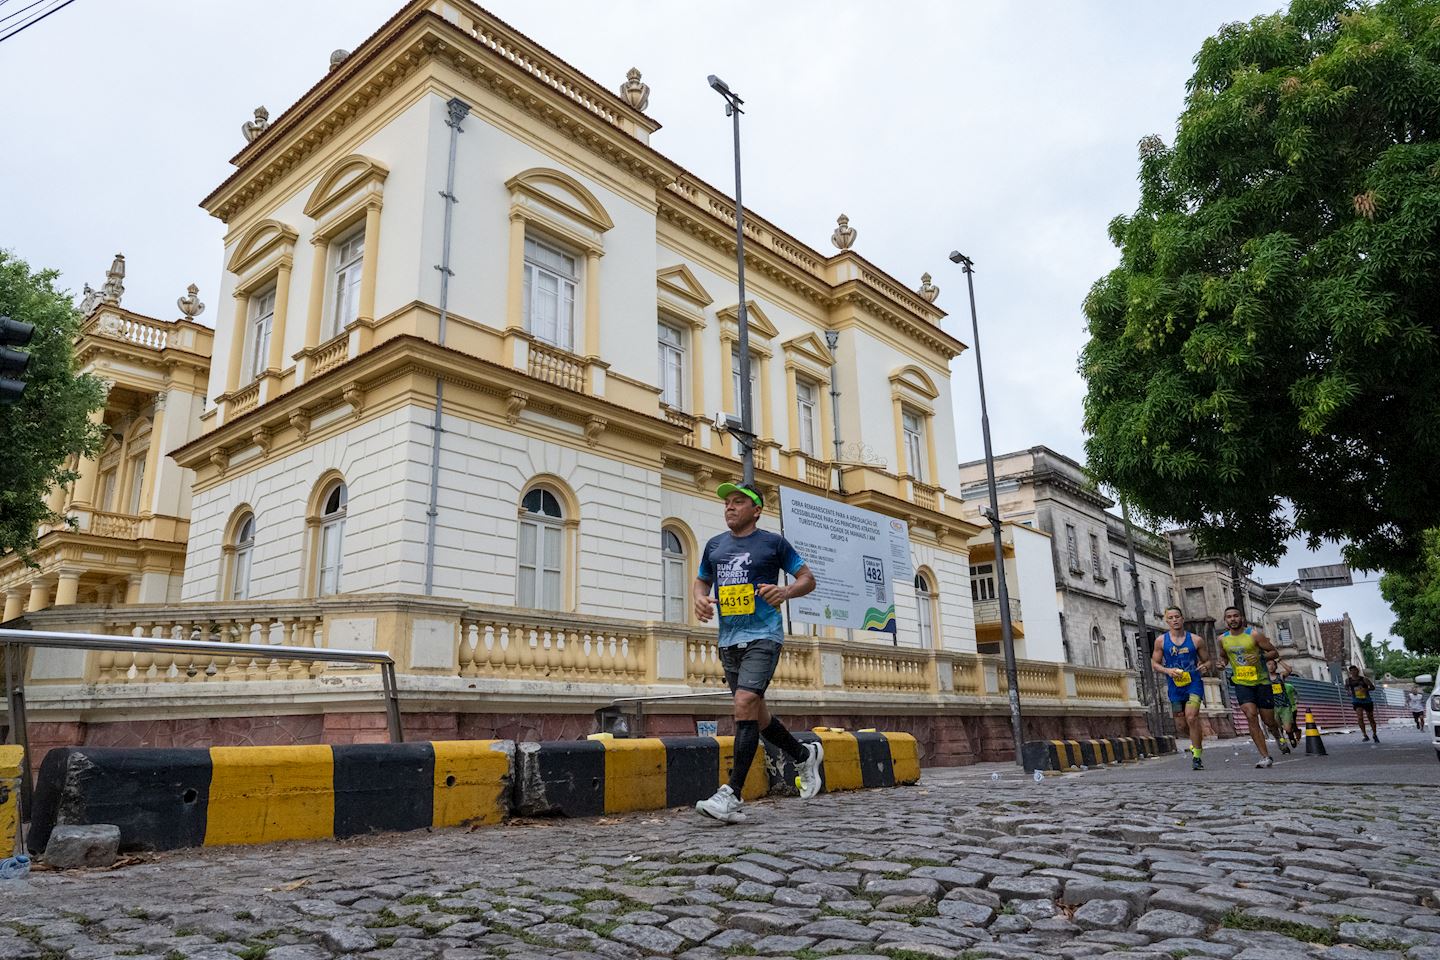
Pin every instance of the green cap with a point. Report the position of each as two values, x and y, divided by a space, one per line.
726 489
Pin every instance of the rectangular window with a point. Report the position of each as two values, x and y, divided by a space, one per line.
672 367
262 319
549 297
349 256
805 395
1154 600
735 389
540 577
1194 603
982 582
137 483
1095 567
1283 634
1115 576
676 582
1072 549
914 428
107 491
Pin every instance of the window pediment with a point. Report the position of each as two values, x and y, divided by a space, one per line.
266 240
759 324
682 284
355 177
562 197
810 349
914 386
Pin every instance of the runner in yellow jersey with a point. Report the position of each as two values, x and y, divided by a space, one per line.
1246 648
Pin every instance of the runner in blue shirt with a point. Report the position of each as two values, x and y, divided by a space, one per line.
742 567
1177 656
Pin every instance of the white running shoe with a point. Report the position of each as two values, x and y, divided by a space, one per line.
1265 763
808 770
724 806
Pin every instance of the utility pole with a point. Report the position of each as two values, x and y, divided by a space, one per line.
1154 715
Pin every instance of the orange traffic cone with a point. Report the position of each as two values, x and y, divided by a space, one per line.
1313 742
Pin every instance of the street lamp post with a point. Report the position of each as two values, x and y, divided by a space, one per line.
746 434
1007 637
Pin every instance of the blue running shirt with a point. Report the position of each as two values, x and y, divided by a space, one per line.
735 566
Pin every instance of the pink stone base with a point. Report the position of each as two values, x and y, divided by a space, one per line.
946 740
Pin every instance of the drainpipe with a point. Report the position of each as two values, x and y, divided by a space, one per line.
458 109
832 340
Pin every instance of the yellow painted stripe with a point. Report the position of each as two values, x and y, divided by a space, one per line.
1062 759
757 781
264 794
10 757
842 760
635 775
904 757
1077 759
472 778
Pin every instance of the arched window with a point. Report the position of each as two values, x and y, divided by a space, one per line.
675 572
244 552
1097 647
332 537
540 583
925 610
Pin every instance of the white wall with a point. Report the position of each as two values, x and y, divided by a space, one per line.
1035 578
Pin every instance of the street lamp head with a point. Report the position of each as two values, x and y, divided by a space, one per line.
957 257
723 88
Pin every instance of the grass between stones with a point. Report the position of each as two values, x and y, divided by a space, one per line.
1238 920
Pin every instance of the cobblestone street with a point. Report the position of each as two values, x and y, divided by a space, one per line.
960 866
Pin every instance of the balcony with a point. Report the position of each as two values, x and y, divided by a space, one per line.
988 612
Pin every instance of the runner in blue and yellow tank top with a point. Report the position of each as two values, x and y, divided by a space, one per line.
1247 648
1178 658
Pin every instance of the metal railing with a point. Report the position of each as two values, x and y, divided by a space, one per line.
14 642
606 717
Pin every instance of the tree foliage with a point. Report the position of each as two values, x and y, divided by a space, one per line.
1263 360
50 422
1414 597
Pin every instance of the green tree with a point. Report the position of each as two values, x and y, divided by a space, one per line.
50 423
1263 360
1414 597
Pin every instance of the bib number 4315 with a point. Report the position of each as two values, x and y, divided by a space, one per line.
737 599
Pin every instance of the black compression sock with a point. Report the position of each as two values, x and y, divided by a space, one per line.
785 740
747 739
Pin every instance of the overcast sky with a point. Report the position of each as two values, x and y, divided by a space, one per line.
1005 130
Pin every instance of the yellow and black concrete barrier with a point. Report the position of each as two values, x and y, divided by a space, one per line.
1066 756
163 798
606 775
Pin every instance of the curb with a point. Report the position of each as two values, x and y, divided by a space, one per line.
10 757
1068 756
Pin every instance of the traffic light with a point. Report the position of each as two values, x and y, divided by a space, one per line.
13 333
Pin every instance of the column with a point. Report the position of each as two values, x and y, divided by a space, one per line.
728 402
89 471
275 360
155 456
14 605
132 588
67 588
825 442
901 467
792 409
55 499
316 307
237 344
515 285
933 477
369 260
39 596
592 304
767 413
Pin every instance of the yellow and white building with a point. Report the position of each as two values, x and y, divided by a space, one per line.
560 298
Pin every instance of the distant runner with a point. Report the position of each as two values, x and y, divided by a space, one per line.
1245 648
743 566
1177 656
1415 700
1360 687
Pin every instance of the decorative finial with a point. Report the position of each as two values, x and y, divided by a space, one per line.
190 304
844 235
253 128
928 291
114 286
338 57
637 94
90 301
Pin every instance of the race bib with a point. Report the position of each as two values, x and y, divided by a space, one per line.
1246 674
1182 679
1276 689
737 599
1361 693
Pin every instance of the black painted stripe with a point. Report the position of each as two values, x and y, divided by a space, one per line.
383 786
157 797
566 777
692 769
876 767
1087 753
